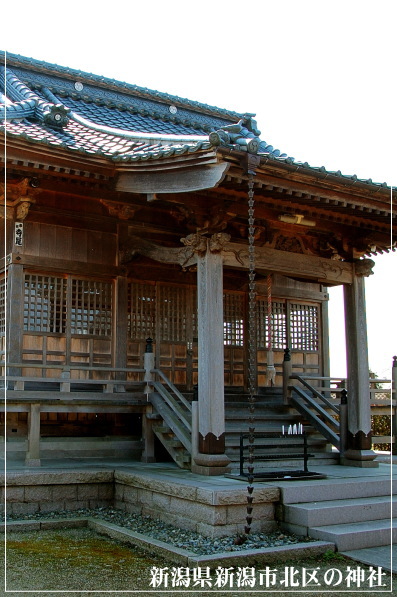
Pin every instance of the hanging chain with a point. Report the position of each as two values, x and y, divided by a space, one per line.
251 351
269 313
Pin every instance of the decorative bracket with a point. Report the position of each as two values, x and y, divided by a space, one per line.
119 210
363 267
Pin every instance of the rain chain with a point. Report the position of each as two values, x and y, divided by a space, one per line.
251 351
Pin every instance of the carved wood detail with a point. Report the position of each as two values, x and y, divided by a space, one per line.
119 210
310 267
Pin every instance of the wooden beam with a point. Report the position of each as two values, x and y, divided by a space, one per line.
51 264
309 267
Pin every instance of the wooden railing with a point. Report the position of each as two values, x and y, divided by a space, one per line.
326 394
110 379
316 407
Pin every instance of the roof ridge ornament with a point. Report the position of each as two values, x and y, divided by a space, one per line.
56 116
243 133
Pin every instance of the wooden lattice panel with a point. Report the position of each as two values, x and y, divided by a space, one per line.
233 319
172 313
278 322
91 308
44 304
304 327
141 311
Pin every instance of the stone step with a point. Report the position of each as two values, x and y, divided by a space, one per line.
357 535
313 514
333 489
263 415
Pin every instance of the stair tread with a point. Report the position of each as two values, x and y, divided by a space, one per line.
358 527
345 502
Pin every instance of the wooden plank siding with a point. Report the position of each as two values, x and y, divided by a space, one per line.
69 244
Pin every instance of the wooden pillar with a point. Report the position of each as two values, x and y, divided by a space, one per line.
120 340
120 336
359 441
325 364
211 458
15 287
33 453
148 454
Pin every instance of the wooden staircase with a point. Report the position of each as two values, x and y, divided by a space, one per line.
173 435
270 415
172 424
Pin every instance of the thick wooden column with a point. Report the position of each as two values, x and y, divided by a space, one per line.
14 307
359 441
211 458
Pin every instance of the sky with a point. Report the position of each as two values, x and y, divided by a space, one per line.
319 75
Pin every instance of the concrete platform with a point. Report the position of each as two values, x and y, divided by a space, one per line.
219 501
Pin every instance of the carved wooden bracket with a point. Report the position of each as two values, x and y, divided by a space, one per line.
363 267
201 244
119 210
19 198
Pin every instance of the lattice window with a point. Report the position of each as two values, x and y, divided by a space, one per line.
233 319
141 311
91 308
44 304
172 313
304 327
278 323
3 282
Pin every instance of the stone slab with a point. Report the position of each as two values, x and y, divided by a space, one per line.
344 511
358 535
260 557
383 556
329 489
57 478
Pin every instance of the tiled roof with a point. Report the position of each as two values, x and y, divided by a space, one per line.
82 112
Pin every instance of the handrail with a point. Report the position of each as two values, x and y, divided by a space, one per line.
175 390
28 365
316 393
172 403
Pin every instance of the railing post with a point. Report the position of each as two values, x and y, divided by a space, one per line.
147 421
287 372
148 454
393 396
148 365
65 385
343 422
195 424
33 453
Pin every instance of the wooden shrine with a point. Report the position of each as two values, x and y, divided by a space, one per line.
126 218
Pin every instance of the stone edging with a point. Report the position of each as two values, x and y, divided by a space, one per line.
182 557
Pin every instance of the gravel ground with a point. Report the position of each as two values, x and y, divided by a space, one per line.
195 542
81 563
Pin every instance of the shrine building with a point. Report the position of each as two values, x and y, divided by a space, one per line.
164 269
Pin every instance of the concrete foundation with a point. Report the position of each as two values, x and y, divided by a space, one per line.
215 510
